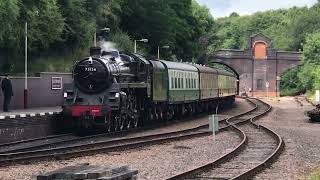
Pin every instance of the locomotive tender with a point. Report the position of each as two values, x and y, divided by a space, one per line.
119 91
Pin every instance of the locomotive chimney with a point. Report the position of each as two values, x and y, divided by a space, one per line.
95 51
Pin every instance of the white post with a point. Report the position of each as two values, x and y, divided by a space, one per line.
135 46
158 53
213 124
317 96
25 93
26 57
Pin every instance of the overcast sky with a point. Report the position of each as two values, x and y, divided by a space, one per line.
221 8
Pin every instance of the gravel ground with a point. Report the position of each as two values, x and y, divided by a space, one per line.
239 106
153 162
302 151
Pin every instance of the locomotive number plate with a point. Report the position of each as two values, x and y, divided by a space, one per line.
90 69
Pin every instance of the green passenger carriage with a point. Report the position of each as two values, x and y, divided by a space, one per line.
183 82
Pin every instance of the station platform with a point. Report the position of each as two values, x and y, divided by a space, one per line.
22 113
24 124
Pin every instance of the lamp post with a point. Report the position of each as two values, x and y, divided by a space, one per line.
25 94
162 47
141 40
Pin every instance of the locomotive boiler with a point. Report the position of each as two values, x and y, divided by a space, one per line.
118 91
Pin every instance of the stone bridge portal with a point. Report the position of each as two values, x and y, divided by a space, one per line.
259 67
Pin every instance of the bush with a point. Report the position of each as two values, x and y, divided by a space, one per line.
122 41
305 78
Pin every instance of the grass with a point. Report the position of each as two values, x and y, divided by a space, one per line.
311 95
315 175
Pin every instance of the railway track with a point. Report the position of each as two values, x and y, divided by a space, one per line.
30 143
51 142
259 146
65 139
93 146
57 141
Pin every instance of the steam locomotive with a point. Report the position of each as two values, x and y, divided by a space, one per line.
118 91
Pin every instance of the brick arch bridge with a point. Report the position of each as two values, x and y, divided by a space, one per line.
259 67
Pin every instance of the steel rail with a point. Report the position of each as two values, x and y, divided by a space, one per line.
106 146
239 149
51 143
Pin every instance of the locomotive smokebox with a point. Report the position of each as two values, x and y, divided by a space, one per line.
95 51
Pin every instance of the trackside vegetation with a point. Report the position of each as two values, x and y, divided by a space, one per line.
60 31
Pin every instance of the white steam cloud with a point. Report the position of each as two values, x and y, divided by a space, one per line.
108 46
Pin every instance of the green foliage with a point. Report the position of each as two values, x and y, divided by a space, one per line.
45 23
315 175
233 31
123 42
177 24
290 84
307 22
311 52
306 78
80 24
9 14
68 26
310 74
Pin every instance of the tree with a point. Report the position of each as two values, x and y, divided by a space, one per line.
290 84
45 22
106 13
234 14
122 41
308 22
80 24
9 20
309 74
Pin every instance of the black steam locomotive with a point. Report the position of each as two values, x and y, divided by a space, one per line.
119 91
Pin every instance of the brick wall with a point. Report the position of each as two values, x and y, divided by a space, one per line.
257 65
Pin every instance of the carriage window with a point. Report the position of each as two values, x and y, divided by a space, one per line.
175 83
187 85
172 82
193 85
206 82
181 82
